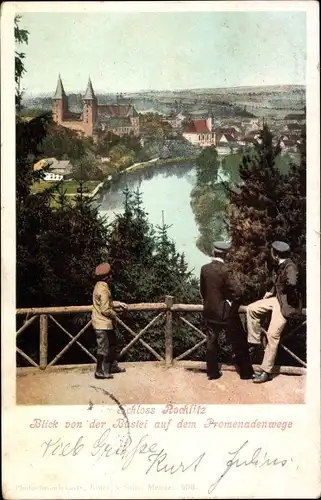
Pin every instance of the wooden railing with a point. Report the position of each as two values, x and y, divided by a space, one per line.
165 312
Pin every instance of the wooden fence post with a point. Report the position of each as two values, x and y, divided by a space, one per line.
43 352
169 300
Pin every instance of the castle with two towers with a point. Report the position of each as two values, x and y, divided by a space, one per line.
120 119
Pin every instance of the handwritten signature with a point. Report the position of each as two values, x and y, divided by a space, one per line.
258 459
106 446
124 449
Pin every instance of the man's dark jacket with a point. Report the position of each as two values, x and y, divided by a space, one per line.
285 287
216 286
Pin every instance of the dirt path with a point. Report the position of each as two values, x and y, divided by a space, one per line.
152 383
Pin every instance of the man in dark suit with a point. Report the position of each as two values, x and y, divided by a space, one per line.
283 301
221 298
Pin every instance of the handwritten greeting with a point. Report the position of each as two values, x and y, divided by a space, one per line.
123 449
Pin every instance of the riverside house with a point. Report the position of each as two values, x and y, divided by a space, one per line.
56 169
200 133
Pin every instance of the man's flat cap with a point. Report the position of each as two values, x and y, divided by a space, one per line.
103 269
222 246
280 246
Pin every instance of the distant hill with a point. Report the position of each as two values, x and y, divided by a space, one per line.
240 101
249 89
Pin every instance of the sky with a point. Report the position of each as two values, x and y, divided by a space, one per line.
128 52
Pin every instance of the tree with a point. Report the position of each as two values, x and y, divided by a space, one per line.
31 112
173 276
153 125
29 135
208 166
61 142
131 247
152 148
283 163
209 208
179 147
146 267
208 201
21 36
87 168
293 208
230 167
268 205
132 142
255 216
117 152
105 141
57 246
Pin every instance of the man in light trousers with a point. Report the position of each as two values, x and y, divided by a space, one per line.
282 301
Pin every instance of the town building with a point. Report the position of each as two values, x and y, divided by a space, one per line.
121 119
200 133
232 131
294 128
225 143
56 170
176 121
289 145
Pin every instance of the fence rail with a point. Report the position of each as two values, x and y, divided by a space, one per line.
165 312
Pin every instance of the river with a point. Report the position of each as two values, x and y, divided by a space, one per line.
168 189
164 189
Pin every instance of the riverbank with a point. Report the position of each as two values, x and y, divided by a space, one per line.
92 188
158 162
149 165
68 187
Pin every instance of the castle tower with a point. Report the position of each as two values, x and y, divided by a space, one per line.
60 103
90 111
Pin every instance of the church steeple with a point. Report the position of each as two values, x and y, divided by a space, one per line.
60 91
59 103
89 94
90 111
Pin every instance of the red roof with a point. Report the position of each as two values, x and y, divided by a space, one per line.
197 127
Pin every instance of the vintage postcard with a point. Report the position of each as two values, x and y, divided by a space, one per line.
160 250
